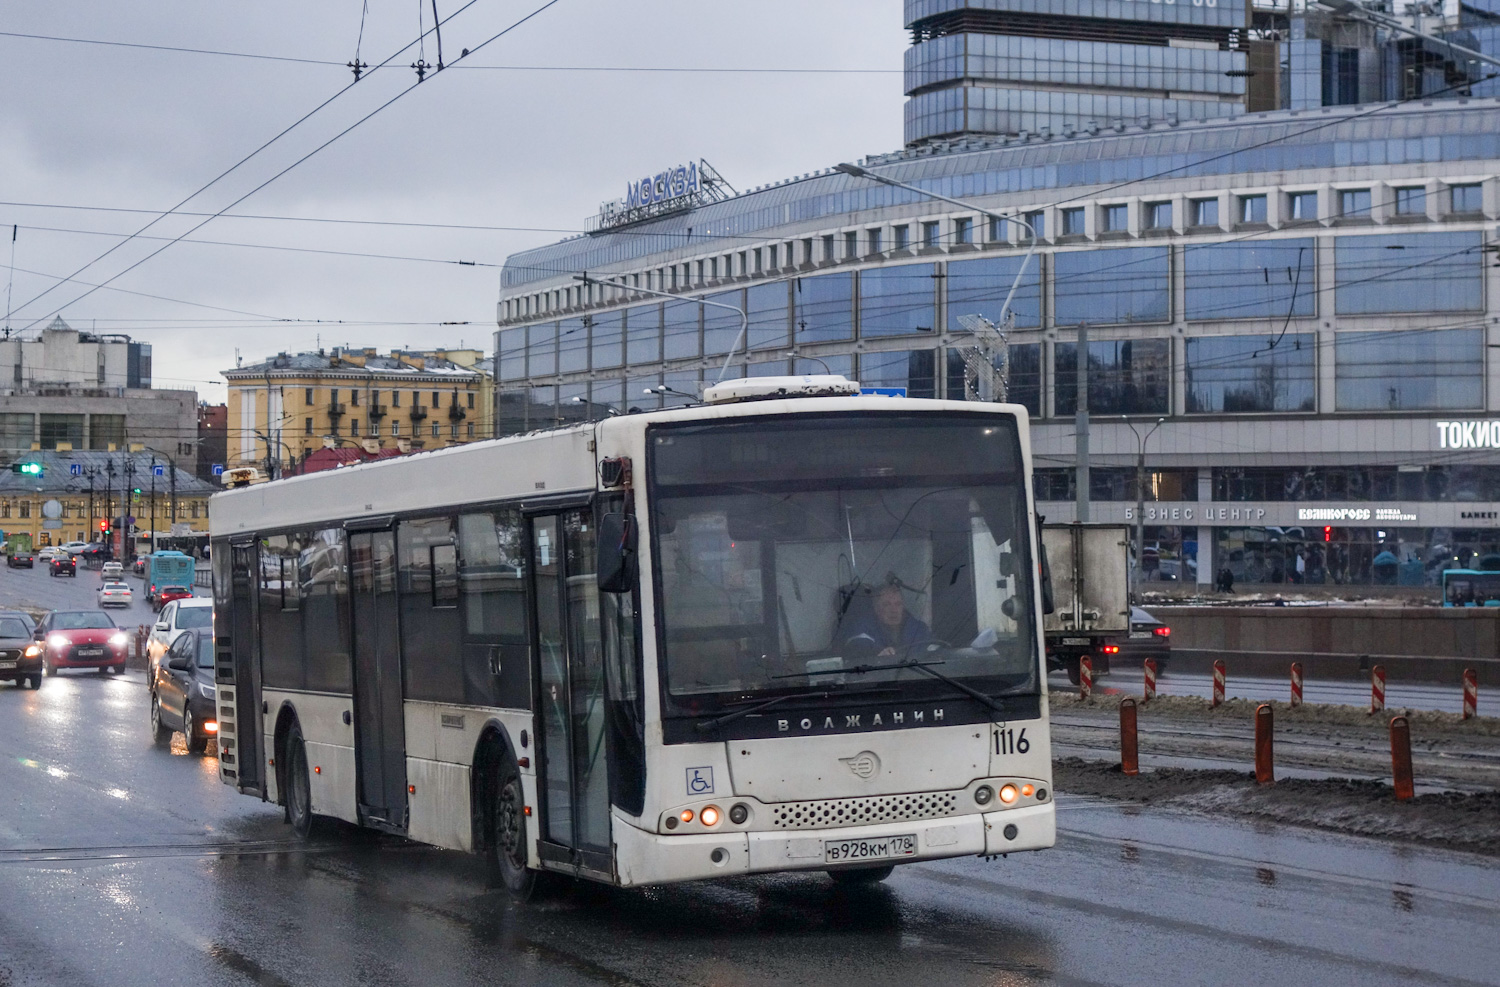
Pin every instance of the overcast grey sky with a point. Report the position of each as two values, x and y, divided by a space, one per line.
130 128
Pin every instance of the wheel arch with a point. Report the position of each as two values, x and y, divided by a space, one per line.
492 750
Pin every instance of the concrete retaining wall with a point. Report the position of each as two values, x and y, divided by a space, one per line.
1415 644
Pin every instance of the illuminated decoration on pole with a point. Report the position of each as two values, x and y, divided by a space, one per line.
675 190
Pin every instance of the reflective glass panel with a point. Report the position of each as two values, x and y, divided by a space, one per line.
1406 370
911 370
980 286
572 345
1408 272
680 330
643 335
1103 287
541 349
823 307
897 301
1126 376
769 326
1250 279
1251 373
608 332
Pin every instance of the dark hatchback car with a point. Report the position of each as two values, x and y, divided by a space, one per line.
1149 638
15 640
64 565
183 697
21 557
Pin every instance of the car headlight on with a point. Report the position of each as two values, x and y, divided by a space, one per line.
206 690
119 640
33 650
58 641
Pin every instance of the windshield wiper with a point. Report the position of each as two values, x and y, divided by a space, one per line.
921 666
703 726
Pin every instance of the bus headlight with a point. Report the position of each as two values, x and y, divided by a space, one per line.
1008 794
709 815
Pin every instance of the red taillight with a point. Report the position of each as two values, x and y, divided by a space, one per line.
1162 631
1111 649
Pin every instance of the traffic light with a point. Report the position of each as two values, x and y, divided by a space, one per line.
104 525
1328 532
29 469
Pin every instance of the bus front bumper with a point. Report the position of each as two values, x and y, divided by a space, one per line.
651 858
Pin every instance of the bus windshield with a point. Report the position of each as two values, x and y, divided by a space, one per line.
826 554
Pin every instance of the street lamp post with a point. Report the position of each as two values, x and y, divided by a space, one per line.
1140 492
744 316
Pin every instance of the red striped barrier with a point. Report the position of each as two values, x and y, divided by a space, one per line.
1130 761
1265 758
1471 693
1218 699
1296 683
1150 690
1377 689
1401 776
1085 677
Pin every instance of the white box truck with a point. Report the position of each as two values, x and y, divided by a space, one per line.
1090 568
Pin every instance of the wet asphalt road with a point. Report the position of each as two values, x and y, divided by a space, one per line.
126 863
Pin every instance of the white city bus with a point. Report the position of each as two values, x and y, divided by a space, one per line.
792 628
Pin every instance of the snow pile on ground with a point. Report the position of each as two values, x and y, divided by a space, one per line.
1464 821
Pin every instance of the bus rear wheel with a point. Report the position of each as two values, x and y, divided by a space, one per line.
508 841
861 876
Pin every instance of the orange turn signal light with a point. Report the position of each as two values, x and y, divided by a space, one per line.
1027 790
411 789
526 810
317 770
686 815
1008 794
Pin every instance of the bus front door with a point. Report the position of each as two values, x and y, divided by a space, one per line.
572 779
380 733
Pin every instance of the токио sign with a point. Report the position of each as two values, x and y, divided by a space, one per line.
1468 435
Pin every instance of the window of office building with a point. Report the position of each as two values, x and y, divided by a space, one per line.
897 301
608 340
511 344
823 308
1354 203
1411 201
1409 370
979 287
106 431
900 237
963 230
573 345
767 310
931 234
1252 278
1252 209
1466 198
1408 272
1158 215
1302 206
62 428
1227 374
851 245
914 371
643 334
828 241
679 330
874 239
721 327
1024 381
1205 212
1106 287
1073 221
1038 223
541 350
1117 483
1114 218
1126 376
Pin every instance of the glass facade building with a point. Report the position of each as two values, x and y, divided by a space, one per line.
1319 337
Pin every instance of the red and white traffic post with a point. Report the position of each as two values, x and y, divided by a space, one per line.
1296 683
1218 699
1471 694
1085 677
1150 690
1377 689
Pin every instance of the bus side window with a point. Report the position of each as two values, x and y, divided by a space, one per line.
492 589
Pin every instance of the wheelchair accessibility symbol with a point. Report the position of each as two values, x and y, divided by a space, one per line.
700 781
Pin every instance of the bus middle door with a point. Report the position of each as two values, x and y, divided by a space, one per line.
572 779
379 725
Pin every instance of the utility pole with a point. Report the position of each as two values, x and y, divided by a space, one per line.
1140 495
153 503
172 472
91 472
1081 426
127 510
109 476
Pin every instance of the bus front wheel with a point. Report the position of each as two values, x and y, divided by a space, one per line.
508 841
298 785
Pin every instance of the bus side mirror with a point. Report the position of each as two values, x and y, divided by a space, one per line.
616 565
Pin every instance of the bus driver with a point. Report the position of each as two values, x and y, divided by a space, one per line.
890 628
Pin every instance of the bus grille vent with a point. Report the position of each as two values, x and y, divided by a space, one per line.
861 811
